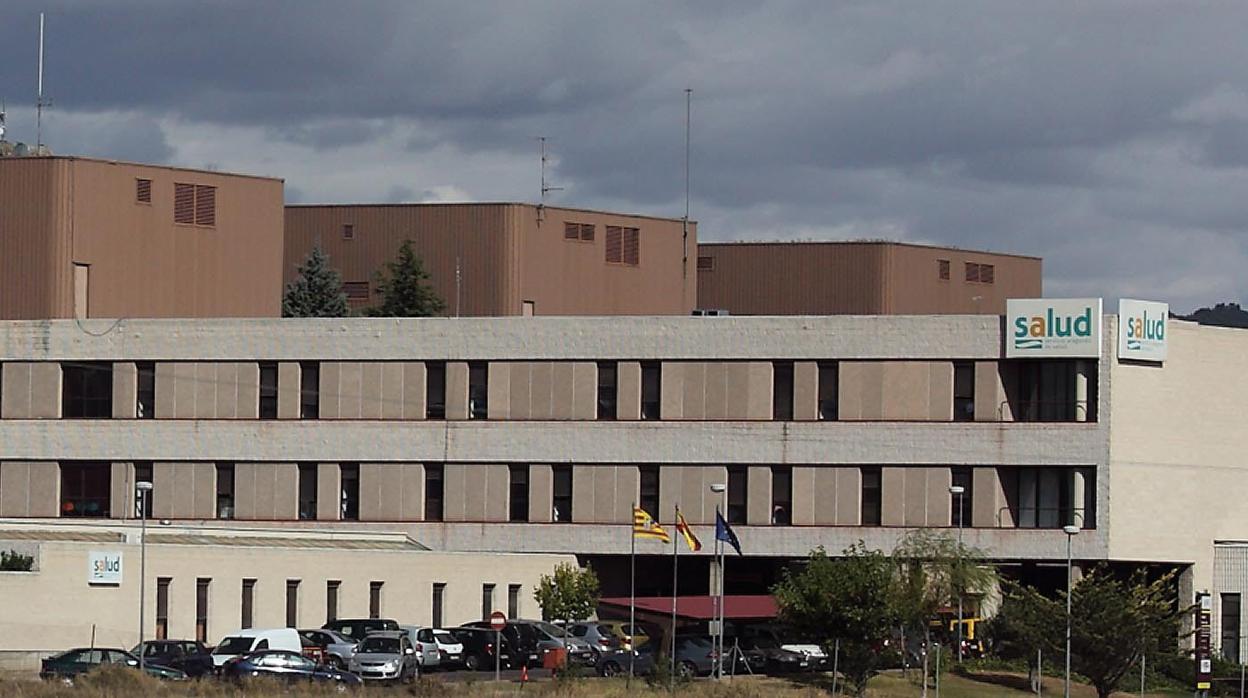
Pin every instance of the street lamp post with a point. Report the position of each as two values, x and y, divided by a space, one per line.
958 491
721 489
1070 531
142 488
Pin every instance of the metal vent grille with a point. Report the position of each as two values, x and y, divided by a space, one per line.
348 232
615 244
571 231
986 274
356 290
143 191
972 272
706 263
943 269
184 203
632 246
205 205
587 232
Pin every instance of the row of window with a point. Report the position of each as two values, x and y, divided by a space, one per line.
1037 497
1042 391
193 204
975 272
623 244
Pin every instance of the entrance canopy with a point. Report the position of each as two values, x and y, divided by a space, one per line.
696 608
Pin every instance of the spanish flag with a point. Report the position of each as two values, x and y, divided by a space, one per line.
682 527
644 526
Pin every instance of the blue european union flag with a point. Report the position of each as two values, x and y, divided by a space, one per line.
724 532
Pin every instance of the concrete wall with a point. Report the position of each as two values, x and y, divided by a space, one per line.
59 606
30 390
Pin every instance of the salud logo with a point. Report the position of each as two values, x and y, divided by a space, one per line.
1032 332
1142 330
1058 327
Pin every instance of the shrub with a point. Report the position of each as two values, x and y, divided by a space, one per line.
13 561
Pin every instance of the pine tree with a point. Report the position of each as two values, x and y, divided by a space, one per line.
405 291
317 292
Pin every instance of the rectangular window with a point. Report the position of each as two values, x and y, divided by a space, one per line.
1229 626
706 264
439 597
248 604
1045 391
487 601
782 390
194 204
649 489
781 495
435 390
309 390
872 496
987 274
433 491
145 396
225 490
307 491
331 600
651 389
960 504
349 478
374 599
608 372
292 603
143 473
578 231
963 391
972 272
143 191
348 231
87 390
356 291
478 390
86 489
1043 497
162 607
513 600
942 269
828 387
519 502
738 493
201 608
561 493
268 390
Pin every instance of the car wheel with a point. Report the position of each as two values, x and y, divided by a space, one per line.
687 670
610 669
471 662
336 662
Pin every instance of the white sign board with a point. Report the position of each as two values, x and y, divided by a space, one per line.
103 567
1142 330
1053 327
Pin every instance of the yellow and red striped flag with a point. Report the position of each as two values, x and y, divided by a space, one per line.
644 526
682 527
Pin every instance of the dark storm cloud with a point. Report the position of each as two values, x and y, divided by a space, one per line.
1108 137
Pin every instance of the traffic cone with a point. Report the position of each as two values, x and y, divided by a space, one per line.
524 673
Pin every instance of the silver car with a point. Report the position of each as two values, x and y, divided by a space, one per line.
385 656
427 654
599 636
336 648
554 636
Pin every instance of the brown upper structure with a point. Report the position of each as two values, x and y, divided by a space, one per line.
490 259
860 278
95 238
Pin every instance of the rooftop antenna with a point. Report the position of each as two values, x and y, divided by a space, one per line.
546 189
685 230
1 119
39 101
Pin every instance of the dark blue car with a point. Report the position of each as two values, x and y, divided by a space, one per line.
284 665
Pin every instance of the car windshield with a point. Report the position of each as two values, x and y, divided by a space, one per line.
445 638
552 630
696 642
765 643
379 645
233 645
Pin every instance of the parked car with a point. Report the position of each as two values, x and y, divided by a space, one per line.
427 656
695 656
285 665
599 635
815 655
617 662
624 632
387 655
523 641
450 650
479 648
359 628
73 663
243 642
190 656
764 654
579 650
336 649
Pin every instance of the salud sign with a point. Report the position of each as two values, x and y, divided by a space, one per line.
1142 330
103 567
1053 327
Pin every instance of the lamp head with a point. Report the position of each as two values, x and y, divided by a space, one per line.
957 489
1070 530
143 486
718 487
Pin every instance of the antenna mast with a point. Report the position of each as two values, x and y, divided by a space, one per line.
39 103
684 267
545 188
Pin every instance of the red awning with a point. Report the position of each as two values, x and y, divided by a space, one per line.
739 607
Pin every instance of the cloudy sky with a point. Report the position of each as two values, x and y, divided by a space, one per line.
1111 138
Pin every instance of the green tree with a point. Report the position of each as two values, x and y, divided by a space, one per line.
13 561
1113 622
404 290
850 599
317 291
571 593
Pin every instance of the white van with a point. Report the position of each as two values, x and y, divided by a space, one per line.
251 640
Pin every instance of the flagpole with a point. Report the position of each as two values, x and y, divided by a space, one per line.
715 593
675 565
632 592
